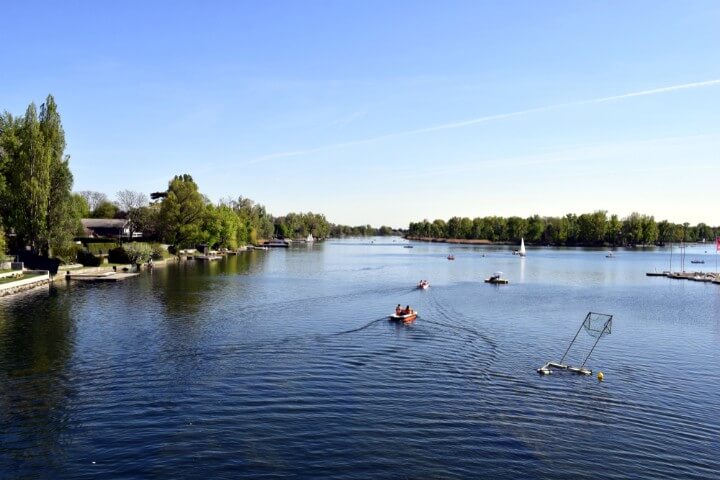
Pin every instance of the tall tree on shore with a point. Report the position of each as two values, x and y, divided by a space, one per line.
62 221
28 181
182 212
36 197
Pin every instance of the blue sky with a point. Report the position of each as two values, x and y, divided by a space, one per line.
384 112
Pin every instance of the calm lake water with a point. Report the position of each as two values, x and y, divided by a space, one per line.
282 364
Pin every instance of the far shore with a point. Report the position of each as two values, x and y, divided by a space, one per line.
457 240
463 241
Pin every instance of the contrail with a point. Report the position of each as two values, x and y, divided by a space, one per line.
484 119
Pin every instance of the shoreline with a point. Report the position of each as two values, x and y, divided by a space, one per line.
35 279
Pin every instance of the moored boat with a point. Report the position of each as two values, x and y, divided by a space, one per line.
277 243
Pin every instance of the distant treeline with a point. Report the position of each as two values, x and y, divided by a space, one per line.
362 231
591 229
40 212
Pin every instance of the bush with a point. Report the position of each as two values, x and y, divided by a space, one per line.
88 259
68 253
138 252
118 255
101 248
158 252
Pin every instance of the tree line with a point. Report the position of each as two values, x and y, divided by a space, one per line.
181 216
588 229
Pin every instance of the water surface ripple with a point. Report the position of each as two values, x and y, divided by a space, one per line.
283 364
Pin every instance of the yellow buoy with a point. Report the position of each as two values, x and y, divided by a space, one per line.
600 376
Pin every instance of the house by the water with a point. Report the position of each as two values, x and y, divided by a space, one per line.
109 228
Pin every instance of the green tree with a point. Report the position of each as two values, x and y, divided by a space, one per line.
535 229
80 205
220 227
36 191
138 252
516 228
105 209
146 220
3 244
466 228
649 230
182 212
614 230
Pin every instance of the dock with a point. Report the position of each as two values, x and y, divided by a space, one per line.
101 276
708 277
207 257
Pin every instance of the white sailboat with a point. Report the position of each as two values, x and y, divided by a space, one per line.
310 239
521 252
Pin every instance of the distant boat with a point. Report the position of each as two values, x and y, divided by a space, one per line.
310 239
697 261
275 243
521 252
451 257
407 246
610 255
497 279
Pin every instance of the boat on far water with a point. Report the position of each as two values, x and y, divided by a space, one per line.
497 279
521 252
310 239
697 261
610 254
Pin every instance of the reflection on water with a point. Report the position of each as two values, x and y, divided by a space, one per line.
283 363
36 344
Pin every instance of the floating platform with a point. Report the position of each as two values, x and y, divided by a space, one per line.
695 276
596 325
101 276
549 367
208 257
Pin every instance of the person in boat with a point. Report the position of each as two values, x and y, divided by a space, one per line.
398 310
407 310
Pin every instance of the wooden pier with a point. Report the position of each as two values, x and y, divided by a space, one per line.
708 277
101 276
